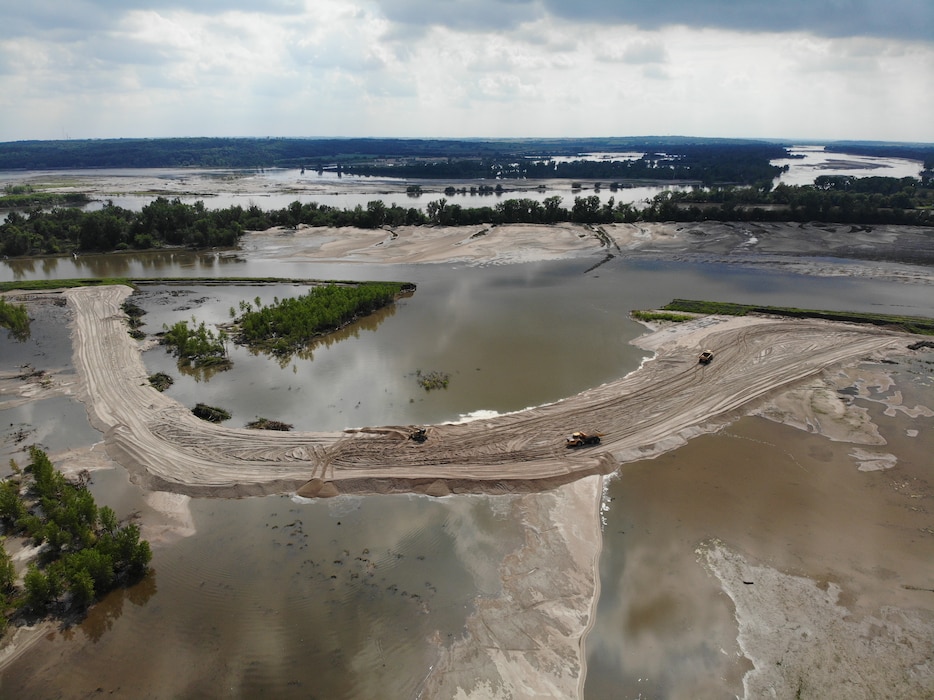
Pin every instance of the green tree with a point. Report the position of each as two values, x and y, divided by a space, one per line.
38 589
81 585
7 572
12 508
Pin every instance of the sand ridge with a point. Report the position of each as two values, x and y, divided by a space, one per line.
160 441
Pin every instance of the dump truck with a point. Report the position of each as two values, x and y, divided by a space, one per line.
419 435
705 357
582 439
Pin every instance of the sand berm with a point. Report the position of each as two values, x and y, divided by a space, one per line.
168 448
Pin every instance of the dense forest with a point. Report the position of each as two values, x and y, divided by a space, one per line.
166 223
313 153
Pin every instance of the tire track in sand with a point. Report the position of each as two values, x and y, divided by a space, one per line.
162 442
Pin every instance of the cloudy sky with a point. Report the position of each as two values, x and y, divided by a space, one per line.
820 69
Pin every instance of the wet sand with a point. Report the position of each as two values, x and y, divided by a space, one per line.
809 249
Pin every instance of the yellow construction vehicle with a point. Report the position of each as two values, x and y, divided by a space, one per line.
582 439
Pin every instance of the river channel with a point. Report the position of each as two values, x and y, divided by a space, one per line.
353 597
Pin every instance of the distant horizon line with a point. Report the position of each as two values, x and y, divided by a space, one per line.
654 137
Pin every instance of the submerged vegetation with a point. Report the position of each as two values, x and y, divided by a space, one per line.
911 324
15 318
660 316
212 414
268 424
22 196
86 552
134 318
432 380
199 347
160 381
286 326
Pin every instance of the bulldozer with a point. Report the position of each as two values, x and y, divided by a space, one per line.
582 439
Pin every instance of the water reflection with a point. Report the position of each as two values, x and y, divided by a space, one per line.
431 192
341 599
352 330
102 616
54 424
166 263
350 598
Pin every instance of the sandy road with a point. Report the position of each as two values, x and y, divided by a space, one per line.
160 441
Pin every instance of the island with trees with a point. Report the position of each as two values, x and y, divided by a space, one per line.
84 552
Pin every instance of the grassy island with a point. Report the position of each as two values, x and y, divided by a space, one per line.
15 318
911 324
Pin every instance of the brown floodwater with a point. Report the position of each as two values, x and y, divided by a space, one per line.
780 496
349 598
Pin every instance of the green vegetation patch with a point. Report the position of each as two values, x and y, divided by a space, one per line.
723 308
212 414
134 319
86 553
910 324
288 325
432 380
267 424
660 316
45 285
199 346
17 198
160 381
14 318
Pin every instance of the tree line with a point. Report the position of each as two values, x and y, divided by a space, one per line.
166 223
86 551
708 164
310 152
831 199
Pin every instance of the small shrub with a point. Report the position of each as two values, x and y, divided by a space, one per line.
211 414
161 381
267 424
432 380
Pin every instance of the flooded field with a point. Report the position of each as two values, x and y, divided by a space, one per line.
809 162
362 597
276 188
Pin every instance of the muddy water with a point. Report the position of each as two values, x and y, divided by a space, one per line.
248 603
54 422
508 337
780 496
339 599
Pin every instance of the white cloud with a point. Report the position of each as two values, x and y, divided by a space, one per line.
479 68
